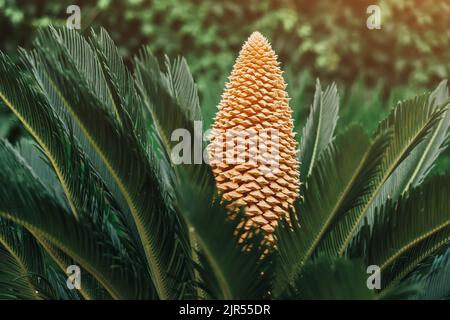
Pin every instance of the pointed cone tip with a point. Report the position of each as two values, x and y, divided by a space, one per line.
256 35
256 38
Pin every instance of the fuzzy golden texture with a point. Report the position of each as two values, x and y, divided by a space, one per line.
255 101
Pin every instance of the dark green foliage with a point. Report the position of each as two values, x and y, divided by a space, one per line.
324 278
408 233
435 274
225 270
95 186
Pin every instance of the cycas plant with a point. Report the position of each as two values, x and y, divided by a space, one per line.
95 187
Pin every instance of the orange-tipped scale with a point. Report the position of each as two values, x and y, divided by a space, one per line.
264 176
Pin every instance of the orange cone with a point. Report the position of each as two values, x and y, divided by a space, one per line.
253 150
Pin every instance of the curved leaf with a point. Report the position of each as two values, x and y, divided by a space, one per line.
90 288
170 96
338 183
38 120
410 123
420 162
435 276
161 233
407 231
326 279
319 128
24 200
228 269
21 264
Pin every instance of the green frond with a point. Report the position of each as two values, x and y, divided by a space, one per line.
406 232
422 159
29 106
319 128
170 95
410 261
76 48
332 278
161 233
228 269
337 278
134 114
21 264
123 88
338 182
26 272
35 157
415 167
410 122
84 194
91 194
435 277
24 200
55 99
90 289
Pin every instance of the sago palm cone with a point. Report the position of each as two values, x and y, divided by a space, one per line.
255 101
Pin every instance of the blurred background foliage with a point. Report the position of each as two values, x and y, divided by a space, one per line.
314 39
328 37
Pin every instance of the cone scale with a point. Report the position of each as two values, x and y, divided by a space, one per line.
254 122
